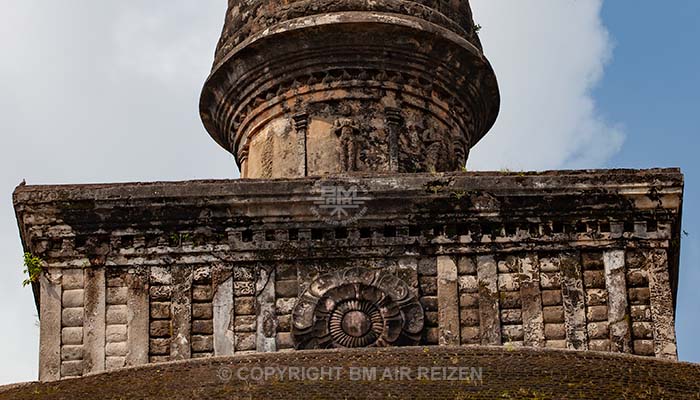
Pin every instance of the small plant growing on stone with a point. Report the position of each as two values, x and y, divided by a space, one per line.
477 28
34 267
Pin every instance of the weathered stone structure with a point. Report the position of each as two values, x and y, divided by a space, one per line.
155 272
310 88
345 249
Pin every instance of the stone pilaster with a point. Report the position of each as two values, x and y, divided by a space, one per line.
489 309
267 320
533 320
448 301
394 120
573 297
618 316
180 348
223 313
50 339
137 317
95 322
662 311
301 124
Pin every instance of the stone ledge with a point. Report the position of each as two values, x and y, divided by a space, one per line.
505 373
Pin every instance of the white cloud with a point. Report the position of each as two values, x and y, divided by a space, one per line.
548 56
108 91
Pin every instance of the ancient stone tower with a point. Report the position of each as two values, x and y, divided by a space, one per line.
314 88
357 227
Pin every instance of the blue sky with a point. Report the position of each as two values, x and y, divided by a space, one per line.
108 92
652 86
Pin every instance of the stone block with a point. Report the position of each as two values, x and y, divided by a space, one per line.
202 343
245 341
159 346
429 303
116 349
72 336
508 282
592 260
510 299
637 278
71 353
73 298
202 293
511 316
594 279
599 345
117 315
71 368
112 363
639 295
244 306
553 314
640 312
205 327
116 333
596 297
287 288
246 323
471 335
598 330
642 330
72 317
160 310
117 295
243 289
161 293
160 329
643 347
202 311
73 279
513 333
555 331
551 297
550 280
469 317
597 313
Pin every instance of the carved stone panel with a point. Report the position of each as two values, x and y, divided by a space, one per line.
357 307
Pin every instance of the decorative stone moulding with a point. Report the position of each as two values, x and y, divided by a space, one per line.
385 86
357 307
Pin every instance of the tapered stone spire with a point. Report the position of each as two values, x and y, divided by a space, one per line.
312 88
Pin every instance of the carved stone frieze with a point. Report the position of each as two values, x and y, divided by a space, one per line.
357 307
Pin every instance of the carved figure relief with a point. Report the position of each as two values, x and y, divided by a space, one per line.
346 129
357 307
434 150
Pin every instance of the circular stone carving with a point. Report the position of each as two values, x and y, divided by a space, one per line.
357 307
